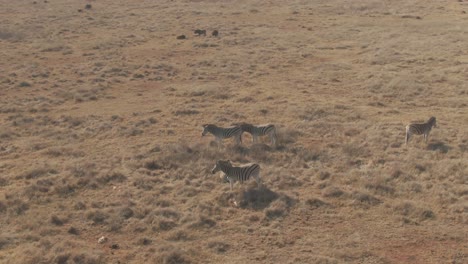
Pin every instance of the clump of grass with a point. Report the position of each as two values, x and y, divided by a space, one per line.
144 241
280 207
114 177
413 213
174 257
203 222
74 231
24 84
37 173
315 203
186 112
364 199
332 191
218 246
98 217
179 235
65 189
126 212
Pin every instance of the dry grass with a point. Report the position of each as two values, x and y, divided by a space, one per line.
100 131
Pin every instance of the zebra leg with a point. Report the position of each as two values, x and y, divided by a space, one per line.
258 180
231 183
408 135
254 138
273 138
219 141
239 139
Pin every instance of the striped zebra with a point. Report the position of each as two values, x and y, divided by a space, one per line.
221 133
420 129
261 130
241 174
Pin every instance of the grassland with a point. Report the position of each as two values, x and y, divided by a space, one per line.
100 131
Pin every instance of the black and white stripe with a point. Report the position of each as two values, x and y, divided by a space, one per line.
261 130
241 174
221 133
420 129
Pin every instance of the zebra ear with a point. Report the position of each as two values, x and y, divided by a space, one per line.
204 125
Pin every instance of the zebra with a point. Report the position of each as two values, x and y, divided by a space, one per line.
241 174
261 130
420 129
221 133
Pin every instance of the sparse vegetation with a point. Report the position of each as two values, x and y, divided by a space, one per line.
100 131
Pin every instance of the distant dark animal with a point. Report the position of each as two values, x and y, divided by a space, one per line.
240 174
258 131
88 6
420 129
200 32
221 133
181 37
215 33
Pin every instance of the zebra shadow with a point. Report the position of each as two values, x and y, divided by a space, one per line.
256 198
251 197
439 146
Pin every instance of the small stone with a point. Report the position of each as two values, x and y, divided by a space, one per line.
102 240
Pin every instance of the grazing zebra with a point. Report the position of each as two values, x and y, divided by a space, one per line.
241 174
261 130
221 133
420 129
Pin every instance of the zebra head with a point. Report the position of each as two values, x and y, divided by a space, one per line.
432 121
221 165
206 128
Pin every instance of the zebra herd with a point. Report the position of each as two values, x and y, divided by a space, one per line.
243 173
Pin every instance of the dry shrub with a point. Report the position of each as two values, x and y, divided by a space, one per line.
380 186
114 177
218 246
164 225
179 235
286 136
413 213
323 175
203 222
332 191
57 221
5 242
65 189
288 182
355 150
88 258
364 199
279 207
17 207
173 257
256 198
37 173
126 212
97 216
315 203
73 230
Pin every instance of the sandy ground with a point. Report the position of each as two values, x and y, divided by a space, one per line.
101 114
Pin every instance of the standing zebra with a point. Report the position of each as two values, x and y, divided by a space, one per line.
241 174
420 129
261 130
221 133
